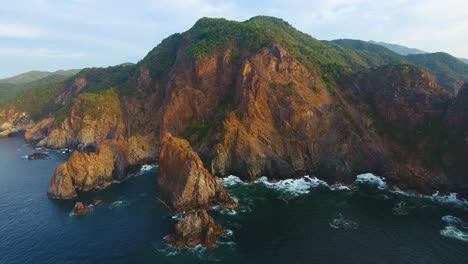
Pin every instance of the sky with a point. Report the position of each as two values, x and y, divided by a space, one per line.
68 34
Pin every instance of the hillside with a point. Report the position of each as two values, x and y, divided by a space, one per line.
12 86
450 72
402 50
253 98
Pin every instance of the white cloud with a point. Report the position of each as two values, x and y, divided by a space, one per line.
20 31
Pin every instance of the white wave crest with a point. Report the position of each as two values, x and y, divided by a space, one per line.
456 228
231 180
119 204
147 167
293 186
371 179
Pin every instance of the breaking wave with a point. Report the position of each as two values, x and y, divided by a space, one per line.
456 228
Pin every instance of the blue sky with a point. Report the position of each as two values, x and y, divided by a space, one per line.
66 34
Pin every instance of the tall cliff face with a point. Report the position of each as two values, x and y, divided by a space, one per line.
456 147
183 183
259 98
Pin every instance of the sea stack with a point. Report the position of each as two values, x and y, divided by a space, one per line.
184 184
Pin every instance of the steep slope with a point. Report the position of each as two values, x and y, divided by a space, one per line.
255 98
450 71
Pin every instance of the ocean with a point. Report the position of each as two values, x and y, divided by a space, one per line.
293 221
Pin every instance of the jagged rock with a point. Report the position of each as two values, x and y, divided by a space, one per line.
61 184
195 228
111 161
39 131
80 208
36 156
12 122
183 183
91 119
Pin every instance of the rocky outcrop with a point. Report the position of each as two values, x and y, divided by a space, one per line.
183 182
111 161
81 209
61 184
92 118
195 228
36 156
12 122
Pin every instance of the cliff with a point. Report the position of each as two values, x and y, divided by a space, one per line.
111 161
183 183
259 98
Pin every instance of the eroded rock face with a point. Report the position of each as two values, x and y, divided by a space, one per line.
111 161
195 228
61 184
12 122
91 119
183 182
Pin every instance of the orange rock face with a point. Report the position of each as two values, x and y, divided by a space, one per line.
195 228
183 182
111 161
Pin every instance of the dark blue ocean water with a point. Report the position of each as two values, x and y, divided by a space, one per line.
282 223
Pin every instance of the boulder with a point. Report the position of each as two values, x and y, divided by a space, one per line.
36 156
80 208
184 183
195 228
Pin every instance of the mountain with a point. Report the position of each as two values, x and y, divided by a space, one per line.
9 87
254 98
402 50
464 60
450 72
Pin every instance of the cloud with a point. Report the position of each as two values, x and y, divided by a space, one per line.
39 53
20 31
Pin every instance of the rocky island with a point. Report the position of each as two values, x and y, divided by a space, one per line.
254 98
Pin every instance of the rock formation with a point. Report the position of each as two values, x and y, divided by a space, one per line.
80 208
12 121
183 182
195 228
111 161
36 156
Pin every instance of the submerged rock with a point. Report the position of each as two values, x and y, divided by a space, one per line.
194 229
36 156
80 208
184 183
96 202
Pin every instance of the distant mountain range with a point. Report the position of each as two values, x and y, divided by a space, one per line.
12 86
450 72
402 50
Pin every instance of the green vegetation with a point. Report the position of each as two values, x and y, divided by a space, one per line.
37 101
161 59
288 88
210 36
441 63
15 85
196 132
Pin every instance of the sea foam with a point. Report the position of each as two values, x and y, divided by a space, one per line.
371 179
456 228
